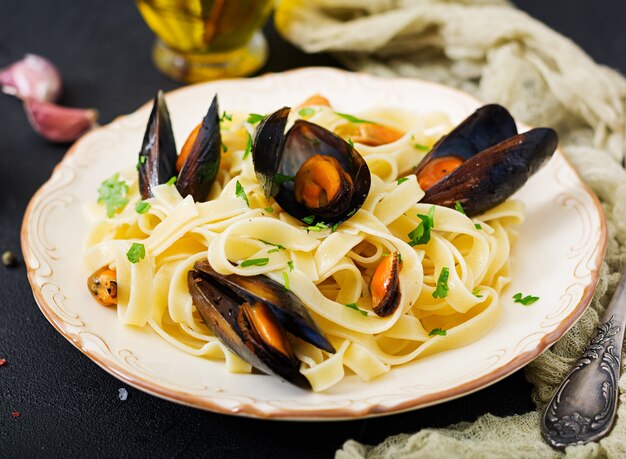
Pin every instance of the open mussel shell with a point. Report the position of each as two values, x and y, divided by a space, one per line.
267 149
279 157
227 319
200 168
157 158
384 286
486 127
286 306
493 175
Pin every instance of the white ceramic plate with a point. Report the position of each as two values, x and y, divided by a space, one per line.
556 257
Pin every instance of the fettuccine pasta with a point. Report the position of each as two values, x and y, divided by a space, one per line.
450 286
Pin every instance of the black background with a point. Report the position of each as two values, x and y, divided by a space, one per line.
68 406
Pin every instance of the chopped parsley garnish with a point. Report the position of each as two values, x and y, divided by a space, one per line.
356 308
477 226
399 257
254 262
459 208
248 147
254 118
113 193
224 148
476 292
334 227
419 146
527 300
290 264
319 226
269 209
308 220
306 112
278 246
286 279
142 160
438 331
353 119
274 250
281 178
142 207
136 252
226 116
402 180
421 233
351 143
351 213
171 181
442 284
241 193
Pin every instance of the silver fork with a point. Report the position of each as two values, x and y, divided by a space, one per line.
583 407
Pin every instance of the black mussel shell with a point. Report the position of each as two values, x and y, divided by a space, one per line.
493 175
157 158
200 168
487 126
223 315
305 140
286 306
267 149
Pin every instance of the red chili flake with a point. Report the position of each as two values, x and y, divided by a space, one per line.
3 361
15 414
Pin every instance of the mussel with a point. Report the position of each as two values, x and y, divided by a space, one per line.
483 161
199 160
310 171
384 286
251 315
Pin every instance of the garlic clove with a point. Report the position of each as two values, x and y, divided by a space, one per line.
33 77
59 124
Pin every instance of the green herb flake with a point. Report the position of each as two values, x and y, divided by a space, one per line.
351 213
274 250
290 264
319 226
442 284
142 160
224 148
269 209
278 246
241 193
356 308
254 118
351 143
477 226
248 147
136 252
402 180
334 227
354 119
171 181
421 233
306 112
281 178
286 279
112 193
254 262
526 300
438 332
476 292
308 220
142 207
399 257
459 208
419 146
226 117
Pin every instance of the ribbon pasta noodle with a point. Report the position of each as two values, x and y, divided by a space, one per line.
326 270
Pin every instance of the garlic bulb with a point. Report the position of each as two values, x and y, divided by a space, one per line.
59 124
33 77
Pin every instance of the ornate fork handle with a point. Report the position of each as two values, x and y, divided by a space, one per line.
584 405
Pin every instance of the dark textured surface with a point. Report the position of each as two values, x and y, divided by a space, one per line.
68 406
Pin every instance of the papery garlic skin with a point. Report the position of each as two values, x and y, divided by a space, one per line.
59 124
33 77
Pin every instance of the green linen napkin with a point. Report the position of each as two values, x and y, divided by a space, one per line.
501 55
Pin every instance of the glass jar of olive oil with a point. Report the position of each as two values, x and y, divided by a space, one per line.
200 40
